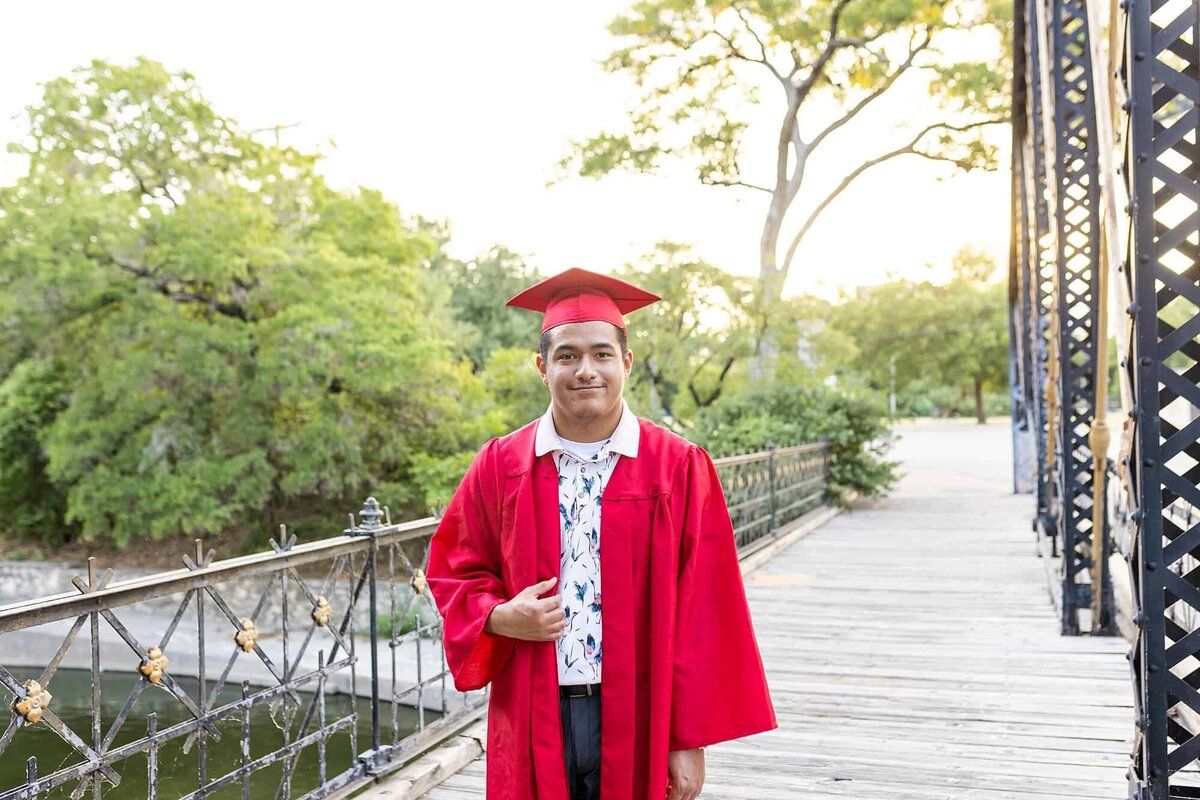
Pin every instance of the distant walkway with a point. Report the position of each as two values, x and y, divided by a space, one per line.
913 653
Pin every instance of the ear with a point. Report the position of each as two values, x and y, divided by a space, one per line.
541 366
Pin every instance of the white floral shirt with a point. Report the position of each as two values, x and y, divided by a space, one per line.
583 472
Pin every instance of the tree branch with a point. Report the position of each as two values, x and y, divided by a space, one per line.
831 46
891 79
742 184
180 290
908 149
716 392
737 53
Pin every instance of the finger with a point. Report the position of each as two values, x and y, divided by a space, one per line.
547 604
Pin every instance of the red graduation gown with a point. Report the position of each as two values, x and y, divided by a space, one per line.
681 665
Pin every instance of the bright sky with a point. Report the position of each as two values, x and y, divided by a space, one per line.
461 111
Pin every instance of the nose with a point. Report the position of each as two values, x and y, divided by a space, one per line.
586 370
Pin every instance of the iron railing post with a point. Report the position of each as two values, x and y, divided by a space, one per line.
369 523
771 482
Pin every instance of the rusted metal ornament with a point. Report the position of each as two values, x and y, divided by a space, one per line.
247 637
155 665
33 705
322 612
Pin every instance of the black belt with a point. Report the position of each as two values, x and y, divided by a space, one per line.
579 690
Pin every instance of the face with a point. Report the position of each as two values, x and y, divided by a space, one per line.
584 369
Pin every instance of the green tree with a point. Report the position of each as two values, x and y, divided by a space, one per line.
237 338
699 66
687 346
479 288
921 334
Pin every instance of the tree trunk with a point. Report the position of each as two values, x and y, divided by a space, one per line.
769 288
980 416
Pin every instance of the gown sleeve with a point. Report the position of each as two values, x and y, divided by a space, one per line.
464 575
719 686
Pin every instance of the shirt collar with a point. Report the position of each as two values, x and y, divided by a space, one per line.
625 438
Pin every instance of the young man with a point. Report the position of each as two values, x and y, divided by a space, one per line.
591 493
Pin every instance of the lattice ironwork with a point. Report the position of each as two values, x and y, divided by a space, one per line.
282 627
765 491
1057 257
1077 226
1162 365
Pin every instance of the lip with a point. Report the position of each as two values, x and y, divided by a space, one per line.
587 388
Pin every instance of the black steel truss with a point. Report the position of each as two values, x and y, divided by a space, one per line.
1161 166
1057 259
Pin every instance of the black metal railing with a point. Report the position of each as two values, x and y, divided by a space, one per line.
265 681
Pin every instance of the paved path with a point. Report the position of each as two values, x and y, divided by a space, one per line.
913 653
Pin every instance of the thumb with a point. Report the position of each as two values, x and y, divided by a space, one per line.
543 587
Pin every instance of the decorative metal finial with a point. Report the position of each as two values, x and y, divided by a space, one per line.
368 518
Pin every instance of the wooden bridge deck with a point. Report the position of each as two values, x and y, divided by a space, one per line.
913 653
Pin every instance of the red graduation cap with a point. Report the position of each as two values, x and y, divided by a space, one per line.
578 295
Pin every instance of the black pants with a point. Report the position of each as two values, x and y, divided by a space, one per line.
581 745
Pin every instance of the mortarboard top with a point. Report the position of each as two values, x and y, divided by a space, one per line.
579 295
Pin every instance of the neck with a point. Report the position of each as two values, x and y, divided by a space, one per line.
586 430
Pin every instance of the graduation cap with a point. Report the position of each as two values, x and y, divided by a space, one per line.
579 295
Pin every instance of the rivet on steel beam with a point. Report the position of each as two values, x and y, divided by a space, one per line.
1148 462
1131 309
1137 515
1145 361
1143 722
1151 566
1153 667
1129 655
1142 158
1139 56
1128 104
1133 412
1138 619
1129 208
1143 259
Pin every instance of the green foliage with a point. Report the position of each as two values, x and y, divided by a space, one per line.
786 414
478 291
241 337
916 332
34 392
512 378
687 345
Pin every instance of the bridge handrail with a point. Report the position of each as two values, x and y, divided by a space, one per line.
373 580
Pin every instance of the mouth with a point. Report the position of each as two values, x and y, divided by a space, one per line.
587 389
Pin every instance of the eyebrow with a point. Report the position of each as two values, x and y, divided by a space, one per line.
595 346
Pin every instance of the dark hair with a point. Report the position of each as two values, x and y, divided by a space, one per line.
544 342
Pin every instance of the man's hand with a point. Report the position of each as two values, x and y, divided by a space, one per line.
528 618
685 774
